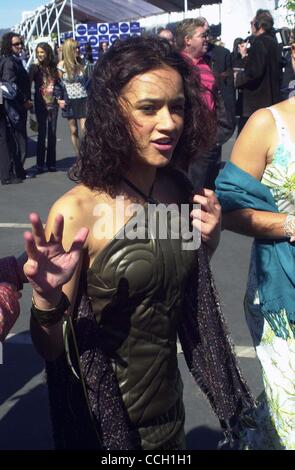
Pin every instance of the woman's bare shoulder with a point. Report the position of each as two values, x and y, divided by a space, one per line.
261 119
77 204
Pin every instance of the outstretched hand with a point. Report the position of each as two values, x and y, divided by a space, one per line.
49 266
207 219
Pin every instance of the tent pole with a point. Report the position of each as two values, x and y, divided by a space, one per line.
57 25
72 17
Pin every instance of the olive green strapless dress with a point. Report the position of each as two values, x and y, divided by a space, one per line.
136 287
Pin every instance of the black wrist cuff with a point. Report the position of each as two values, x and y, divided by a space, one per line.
52 316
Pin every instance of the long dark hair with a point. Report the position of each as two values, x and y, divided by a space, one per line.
49 62
108 146
6 48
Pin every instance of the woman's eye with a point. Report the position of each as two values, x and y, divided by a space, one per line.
179 109
148 108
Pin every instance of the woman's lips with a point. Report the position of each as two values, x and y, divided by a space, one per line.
163 146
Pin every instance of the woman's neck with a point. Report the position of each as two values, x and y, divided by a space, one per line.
142 178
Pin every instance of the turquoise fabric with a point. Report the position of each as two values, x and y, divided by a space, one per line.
275 259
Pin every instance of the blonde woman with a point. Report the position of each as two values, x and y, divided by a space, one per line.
73 76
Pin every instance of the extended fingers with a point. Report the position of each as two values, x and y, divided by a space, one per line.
37 229
30 246
58 228
30 268
79 240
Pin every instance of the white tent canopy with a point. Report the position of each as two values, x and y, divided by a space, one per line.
60 16
107 11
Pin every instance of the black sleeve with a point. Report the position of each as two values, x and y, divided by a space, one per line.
10 74
59 90
255 66
8 71
32 72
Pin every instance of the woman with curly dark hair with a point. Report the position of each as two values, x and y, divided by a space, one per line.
113 376
13 71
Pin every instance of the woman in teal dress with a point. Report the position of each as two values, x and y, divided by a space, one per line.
256 190
112 367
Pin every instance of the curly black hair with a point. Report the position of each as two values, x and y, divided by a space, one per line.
108 145
6 48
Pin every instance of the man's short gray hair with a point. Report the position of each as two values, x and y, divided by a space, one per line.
188 27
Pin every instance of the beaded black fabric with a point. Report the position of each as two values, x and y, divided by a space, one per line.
110 427
210 355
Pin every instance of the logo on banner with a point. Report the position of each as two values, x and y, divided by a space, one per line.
135 27
93 40
114 28
103 28
95 52
124 36
92 28
124 28
81 29
81 39
113 38
104 38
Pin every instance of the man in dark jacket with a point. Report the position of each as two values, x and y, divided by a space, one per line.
221 65
12 71
260 80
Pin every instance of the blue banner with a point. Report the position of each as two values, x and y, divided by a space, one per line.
114 28
103 28
113 38
81 29
93 40
134 27
81 39
96 33
92 29
104 38
124 28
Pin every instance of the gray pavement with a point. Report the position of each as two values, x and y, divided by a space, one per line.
24 420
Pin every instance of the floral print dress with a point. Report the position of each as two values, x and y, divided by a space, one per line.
275 413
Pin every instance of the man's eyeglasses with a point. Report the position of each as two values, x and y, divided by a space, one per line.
203 35
17 44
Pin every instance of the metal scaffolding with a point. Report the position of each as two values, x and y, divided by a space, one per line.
49 21
44 22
